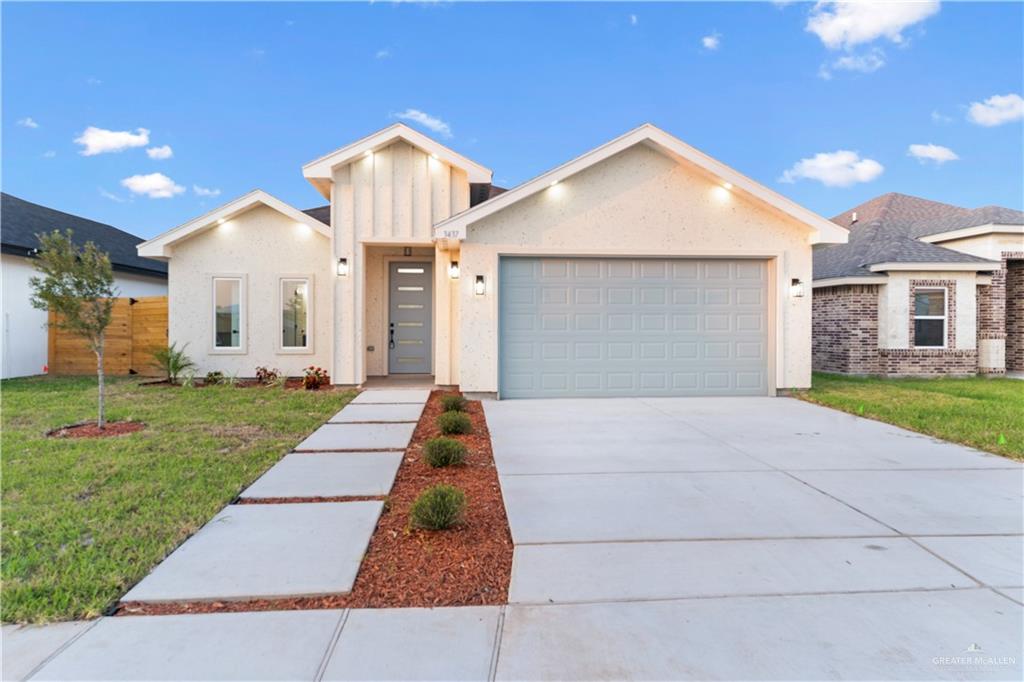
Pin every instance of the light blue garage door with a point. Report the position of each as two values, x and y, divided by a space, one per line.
632 327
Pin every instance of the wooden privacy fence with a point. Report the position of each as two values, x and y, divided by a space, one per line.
138 327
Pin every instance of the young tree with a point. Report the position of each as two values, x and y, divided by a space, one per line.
77 285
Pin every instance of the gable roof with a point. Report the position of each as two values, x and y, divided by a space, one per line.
22 221
824 230
321 213
319 171
888 230
158 247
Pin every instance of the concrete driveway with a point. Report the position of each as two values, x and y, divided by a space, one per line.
752 527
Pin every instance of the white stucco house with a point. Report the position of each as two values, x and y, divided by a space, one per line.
641 268
23 346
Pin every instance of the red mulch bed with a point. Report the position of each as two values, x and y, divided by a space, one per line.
292 384
90 430
463 566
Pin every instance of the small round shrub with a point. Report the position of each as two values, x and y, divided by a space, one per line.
443 452
454 402
454 422
214 378
438 507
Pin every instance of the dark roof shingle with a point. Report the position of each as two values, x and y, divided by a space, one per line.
21 221
888 230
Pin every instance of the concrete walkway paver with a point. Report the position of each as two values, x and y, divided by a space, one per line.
616 507
268 645
584 572
415 644
25 647
358 437
402 412
266 551
899 635
392 396
335 474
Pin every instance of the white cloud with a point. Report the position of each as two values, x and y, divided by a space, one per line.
28 122
711 42
154 186
99 141
633 20
932 152
834 169
848 24
164 152
383 53
49 154
867 62
110 195
93 80
427 121
205 191
939 117
996 110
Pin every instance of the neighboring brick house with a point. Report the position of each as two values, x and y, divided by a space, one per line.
921 289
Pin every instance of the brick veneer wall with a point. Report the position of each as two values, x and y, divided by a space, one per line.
992 303
844 325
1014 264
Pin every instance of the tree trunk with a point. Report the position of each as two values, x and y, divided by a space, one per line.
101 422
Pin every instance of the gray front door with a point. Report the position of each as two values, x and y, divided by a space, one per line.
409 328
632 327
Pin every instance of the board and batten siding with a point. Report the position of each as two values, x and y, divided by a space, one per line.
391 197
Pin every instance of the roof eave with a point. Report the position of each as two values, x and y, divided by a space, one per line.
975 231
159 247
843 281
977 266
823 231
320 171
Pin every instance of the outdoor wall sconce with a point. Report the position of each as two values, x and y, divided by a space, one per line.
479 287
453 269
342 267
796 288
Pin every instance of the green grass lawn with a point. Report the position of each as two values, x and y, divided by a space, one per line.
85 519
987 414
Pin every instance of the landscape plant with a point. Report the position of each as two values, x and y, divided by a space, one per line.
77 284
454 402
314 377
454 423
438 507
173 361
267 376
213 378
443 452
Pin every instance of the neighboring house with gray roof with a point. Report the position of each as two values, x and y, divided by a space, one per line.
921 288
24 341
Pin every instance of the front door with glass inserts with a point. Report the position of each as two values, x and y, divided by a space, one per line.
409 316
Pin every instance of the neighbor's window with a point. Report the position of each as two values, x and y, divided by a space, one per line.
294 313
930 318
227 312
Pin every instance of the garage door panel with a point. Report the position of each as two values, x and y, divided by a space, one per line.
591 327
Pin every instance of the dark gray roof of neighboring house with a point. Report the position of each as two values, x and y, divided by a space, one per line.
21 221
479 192
321 213
888 229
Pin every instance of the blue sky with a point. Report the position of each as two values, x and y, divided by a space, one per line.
244 94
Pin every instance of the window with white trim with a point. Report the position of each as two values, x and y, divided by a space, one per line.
228 313
930 313
295 317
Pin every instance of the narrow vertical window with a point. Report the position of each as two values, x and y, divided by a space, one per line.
295 314
930 318
227 312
